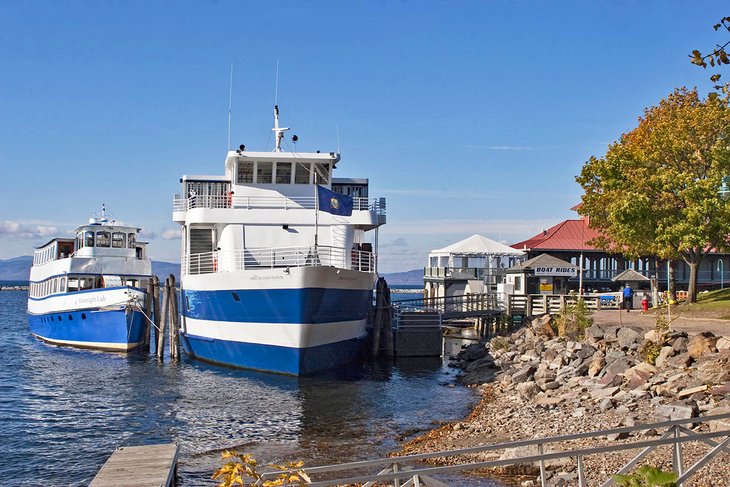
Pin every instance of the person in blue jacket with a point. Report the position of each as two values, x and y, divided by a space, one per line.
628 297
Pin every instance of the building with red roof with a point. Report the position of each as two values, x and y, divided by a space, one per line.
569 240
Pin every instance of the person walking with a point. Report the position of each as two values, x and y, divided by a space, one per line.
628 297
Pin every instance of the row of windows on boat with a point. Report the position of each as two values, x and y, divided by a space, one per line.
102 238
266 172
49 319
63 284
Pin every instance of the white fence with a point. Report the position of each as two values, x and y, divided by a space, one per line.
267 202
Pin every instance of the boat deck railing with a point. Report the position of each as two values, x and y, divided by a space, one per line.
267 202
280 257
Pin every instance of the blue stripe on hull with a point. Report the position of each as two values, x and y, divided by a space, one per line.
308 305
283 360
89 328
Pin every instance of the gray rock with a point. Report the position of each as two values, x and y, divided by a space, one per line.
606 404
586 351
680 344
594 333
678 410
628 336
664 354
619 366
524 374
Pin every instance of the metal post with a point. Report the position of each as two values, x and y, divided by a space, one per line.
581 472
543 478
677 453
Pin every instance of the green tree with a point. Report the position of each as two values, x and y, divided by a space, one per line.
654 192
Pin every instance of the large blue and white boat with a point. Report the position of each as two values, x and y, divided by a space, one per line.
277 273
89 291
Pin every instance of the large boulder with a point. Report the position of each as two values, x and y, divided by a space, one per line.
723 344
713 369
701 345
628 336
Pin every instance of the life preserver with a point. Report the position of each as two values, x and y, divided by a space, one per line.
215 263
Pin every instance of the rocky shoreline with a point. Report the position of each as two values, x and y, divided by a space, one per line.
536 384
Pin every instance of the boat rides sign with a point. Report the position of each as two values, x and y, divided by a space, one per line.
568 271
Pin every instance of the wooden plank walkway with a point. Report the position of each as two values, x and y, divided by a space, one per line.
138 466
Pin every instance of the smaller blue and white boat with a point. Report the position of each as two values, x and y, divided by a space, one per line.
89 291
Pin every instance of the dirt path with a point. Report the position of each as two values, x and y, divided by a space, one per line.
648 321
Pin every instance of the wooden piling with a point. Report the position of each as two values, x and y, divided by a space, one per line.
160 350
377 321
156 310
387 322
148 314
174 321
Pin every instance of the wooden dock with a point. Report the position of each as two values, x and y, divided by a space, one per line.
139 466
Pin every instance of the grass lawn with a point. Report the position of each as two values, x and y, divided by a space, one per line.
713 304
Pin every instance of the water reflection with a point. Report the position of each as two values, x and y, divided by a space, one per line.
63 411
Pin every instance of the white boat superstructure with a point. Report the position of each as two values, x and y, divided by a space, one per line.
89 291
277 271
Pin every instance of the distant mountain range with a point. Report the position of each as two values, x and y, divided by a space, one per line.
406 278
18 269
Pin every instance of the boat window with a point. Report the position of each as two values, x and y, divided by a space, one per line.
301 175
263 172
73 284
88 239
132 240
322 173
53 286
86 283
283 173
245 173
62 287
118 240
102 239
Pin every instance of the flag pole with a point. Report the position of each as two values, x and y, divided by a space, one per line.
316 212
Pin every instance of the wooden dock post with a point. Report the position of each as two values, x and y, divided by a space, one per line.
148 314
378 320
173 318
156 310
139 466
160 350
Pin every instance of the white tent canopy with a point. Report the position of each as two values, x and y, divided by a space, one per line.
474 247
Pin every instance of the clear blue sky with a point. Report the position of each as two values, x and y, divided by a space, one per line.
468 116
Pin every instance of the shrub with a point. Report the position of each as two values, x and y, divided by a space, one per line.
573 320
241 471
647 476
650 351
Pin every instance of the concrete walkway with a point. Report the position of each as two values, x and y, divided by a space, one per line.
648 321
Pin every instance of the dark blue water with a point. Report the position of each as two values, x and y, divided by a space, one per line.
63 411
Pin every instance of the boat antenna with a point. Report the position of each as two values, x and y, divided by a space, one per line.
278 131
338 138
276 85
230 98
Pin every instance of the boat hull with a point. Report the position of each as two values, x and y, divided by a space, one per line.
60 321
299 322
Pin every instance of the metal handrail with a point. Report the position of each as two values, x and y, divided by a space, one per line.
267 202
283 257
673 436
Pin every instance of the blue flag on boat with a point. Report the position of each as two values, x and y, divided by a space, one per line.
335 203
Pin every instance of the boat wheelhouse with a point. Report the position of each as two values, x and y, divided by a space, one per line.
89 291
277 272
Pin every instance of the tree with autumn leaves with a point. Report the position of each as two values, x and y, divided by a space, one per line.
654 192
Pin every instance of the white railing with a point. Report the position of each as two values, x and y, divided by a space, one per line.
281 257
267 202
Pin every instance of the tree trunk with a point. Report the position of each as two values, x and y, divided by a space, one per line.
693 259
672 281
692 287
